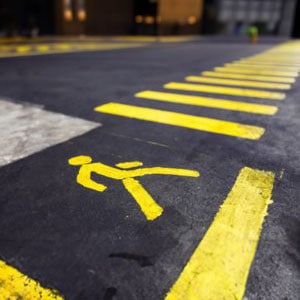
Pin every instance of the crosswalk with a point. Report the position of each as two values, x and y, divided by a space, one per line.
250 77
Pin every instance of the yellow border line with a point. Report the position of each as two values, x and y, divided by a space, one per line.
15 285
220 265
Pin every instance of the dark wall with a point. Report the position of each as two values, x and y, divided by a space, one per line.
18 17
296 29
109 17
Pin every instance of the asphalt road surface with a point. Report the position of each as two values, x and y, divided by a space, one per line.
128 173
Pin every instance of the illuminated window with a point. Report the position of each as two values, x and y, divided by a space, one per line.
81 12
68 10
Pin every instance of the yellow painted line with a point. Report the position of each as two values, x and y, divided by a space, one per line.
129 165
276 58
183 120
60 49
43 48
209 102
264 62
219 267
225 91
15 285
252 66
243 83
249 77
256 72
22 49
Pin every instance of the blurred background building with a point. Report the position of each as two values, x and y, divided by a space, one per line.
148 17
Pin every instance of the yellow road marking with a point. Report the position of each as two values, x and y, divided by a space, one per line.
145 201
265 67
225 91
209 102
277 59
147 204
15 285
220 265
249 77
262 62
183 120
42 49
22 49
243 83
256 72
129 165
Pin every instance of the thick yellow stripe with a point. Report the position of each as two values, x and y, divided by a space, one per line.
258 62
224 90
276 58
243 83
265 67
209 102
249 77
220 265
271 62
256 72
15 285
183 120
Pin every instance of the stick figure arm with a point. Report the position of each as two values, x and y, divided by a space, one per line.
164 171
84 179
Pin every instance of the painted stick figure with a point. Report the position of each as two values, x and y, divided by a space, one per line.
121 172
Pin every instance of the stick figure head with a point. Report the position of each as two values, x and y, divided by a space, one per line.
80 160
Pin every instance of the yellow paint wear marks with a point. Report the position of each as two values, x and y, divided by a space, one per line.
129 165
225 90
183 120
209 102
249 77
257 67
243 83
147 204
14 285
220 265
256 72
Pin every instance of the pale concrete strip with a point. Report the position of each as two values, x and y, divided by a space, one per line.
27 129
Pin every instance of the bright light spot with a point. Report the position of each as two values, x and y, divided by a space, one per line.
192 20
139 19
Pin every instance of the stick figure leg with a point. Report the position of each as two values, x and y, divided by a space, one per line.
147 204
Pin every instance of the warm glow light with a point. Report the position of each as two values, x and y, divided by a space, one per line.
81 15
158 19
149 20
192 20
138 19
68 15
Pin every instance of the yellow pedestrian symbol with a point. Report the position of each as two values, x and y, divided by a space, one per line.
126 172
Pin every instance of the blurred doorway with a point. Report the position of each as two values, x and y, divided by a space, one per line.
145 21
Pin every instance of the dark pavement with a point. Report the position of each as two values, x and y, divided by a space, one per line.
91 245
